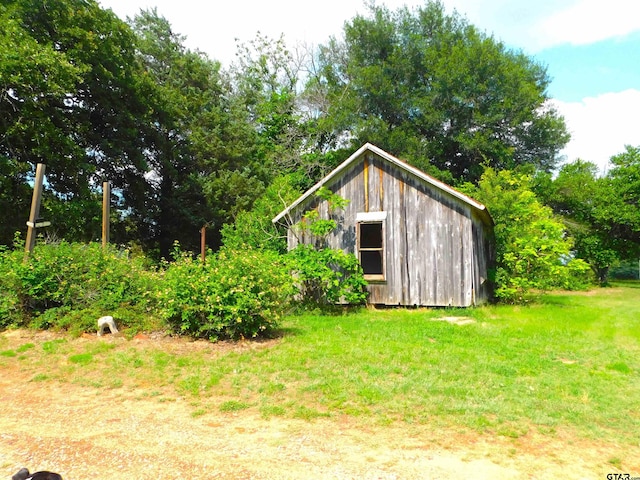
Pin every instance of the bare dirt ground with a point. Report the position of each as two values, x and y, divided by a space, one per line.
83 432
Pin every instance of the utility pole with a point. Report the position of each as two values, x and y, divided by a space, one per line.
36 200
106 212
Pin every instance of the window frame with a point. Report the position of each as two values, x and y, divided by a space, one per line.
373 218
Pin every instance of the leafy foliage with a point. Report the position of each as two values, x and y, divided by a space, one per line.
199 142
629 270
70 285
432 88
192 144
64 66
600 212
313 225
576 194
254 228
265 78
324 275
619 210
328 276
532 251
235 294
175 144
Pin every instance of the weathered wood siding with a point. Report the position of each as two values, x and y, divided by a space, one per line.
437 250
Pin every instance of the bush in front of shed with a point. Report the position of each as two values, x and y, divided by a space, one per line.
328 276
235 294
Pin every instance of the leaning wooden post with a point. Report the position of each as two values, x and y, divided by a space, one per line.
36 200
106 212
203 243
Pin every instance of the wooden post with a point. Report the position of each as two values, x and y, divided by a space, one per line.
36 200
106 212
203 243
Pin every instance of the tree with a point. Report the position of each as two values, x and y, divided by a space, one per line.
70 99
575 195
532 251
268 79
253 228
622 201
325 275
432 88
198 141
265 78
617 213
600 213
34 78
94 99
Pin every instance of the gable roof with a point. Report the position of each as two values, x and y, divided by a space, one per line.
394 161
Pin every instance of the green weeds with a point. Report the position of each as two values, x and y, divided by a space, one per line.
233 406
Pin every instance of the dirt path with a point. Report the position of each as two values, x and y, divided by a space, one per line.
83 433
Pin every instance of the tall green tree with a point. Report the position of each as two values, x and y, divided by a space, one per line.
617 213
432 88
22 89
576 194
95 99
268 79
265 77
199 141
622 202
70 99
253 228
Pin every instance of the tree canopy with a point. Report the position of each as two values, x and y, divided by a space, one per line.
97 99
601 213
198 142
432 88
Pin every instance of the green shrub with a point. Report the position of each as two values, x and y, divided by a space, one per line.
70 285
325 276
235 294
627 270
576 275
328 276
530 241
10 311
254 227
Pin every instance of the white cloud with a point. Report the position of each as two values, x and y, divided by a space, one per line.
213 27
601 126
534 26
590 21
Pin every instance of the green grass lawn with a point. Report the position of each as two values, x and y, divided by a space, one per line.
569 361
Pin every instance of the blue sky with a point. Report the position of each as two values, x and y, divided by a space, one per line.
611 65
591 48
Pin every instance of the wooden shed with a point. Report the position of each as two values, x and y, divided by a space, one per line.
419 241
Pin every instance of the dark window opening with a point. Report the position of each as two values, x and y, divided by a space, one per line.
371 235
370 249
371 263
